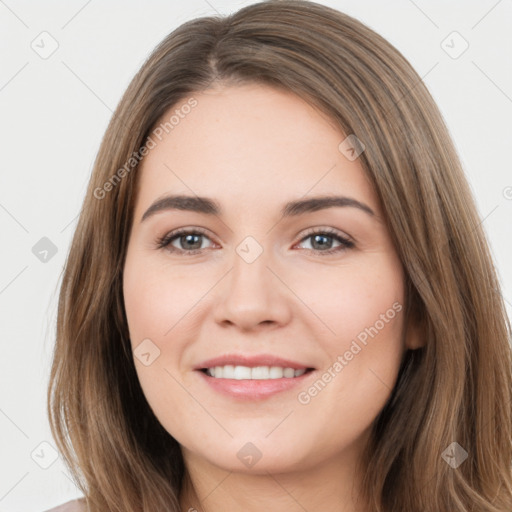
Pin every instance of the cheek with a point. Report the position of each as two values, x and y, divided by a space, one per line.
362 310
159 305
158 299
352 301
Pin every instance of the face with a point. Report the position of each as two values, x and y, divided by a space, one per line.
321 287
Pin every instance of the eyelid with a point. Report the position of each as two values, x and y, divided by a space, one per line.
327 230
163 241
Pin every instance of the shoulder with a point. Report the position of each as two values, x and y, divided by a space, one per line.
77 505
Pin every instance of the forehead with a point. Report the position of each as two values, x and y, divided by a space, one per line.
250 144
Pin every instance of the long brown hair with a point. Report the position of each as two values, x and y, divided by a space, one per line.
457 388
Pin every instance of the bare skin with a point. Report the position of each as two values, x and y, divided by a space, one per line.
252 149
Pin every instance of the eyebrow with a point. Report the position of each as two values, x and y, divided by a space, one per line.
293 208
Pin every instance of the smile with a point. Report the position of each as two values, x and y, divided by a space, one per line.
245 388
254 373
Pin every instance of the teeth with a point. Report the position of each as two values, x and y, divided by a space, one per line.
256 373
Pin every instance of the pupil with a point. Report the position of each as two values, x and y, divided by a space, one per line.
316 237
189 238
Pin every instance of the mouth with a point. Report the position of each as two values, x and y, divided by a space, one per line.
243 383
239 372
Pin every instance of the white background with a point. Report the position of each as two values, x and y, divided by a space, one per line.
54 111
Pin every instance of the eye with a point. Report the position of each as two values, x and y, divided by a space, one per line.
187 238
191 241
320 241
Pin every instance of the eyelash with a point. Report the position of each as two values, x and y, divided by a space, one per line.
165 241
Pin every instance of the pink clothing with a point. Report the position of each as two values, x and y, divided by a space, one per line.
77 505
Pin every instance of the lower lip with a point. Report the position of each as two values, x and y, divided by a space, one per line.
249 389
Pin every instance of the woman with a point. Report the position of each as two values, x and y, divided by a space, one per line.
258 369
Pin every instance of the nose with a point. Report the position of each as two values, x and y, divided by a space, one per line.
253 294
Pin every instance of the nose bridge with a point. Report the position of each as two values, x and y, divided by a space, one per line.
252 293
250 263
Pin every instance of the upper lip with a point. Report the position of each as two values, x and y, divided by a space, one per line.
251 361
